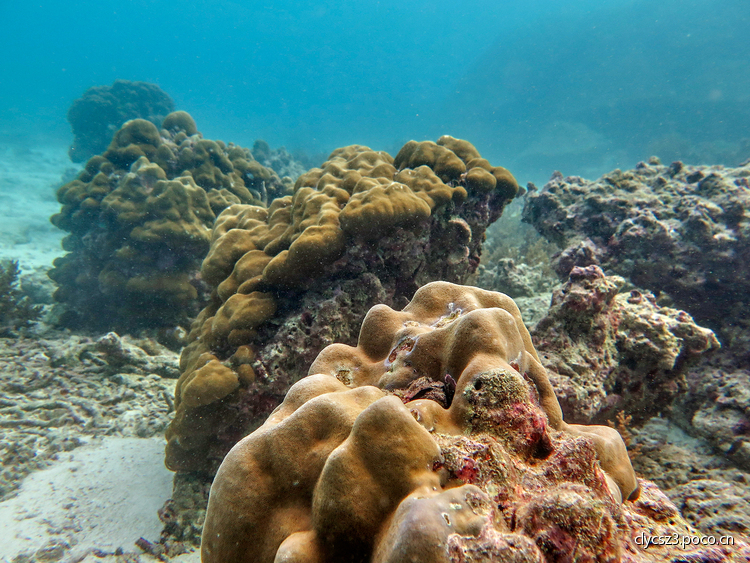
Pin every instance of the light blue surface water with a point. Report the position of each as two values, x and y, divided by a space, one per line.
537 85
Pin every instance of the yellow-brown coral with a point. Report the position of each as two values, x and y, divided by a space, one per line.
356 200
140 218
357 464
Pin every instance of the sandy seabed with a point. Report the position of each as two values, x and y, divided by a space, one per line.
104 494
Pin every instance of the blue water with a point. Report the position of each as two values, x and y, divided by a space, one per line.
536 85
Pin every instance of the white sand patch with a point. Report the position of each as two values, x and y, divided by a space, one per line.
103 495
28 177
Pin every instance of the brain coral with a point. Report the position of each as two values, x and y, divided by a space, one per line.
140 218
294 277
436 438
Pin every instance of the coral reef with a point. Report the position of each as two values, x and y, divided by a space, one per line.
101 111
290 279
516 259
59 391
436 438
16 309
517 279
682 232
279 160
140 218
677 230
608 351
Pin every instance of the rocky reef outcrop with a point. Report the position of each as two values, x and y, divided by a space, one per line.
290 279
679 231
610 351
436 438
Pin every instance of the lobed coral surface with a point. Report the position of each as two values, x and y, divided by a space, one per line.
290 279
140 218
436 438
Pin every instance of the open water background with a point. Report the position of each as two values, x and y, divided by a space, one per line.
581 86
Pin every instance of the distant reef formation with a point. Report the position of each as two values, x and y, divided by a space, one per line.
277 159
102 110
139 218
680 231
290 279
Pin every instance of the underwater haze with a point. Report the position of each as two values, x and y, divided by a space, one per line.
387 281
538 85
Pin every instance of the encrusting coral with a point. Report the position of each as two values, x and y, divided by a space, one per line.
140 218
680 232
290 279
677 230
436 438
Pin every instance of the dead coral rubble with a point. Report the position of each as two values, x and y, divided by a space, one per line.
290 279
608 351
436 438
678 230
717 409
57 391
140 217
710 492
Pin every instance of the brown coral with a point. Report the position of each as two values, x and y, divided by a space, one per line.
140 218
345 471
407 221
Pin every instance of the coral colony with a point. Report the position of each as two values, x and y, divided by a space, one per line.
439 428
346 470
